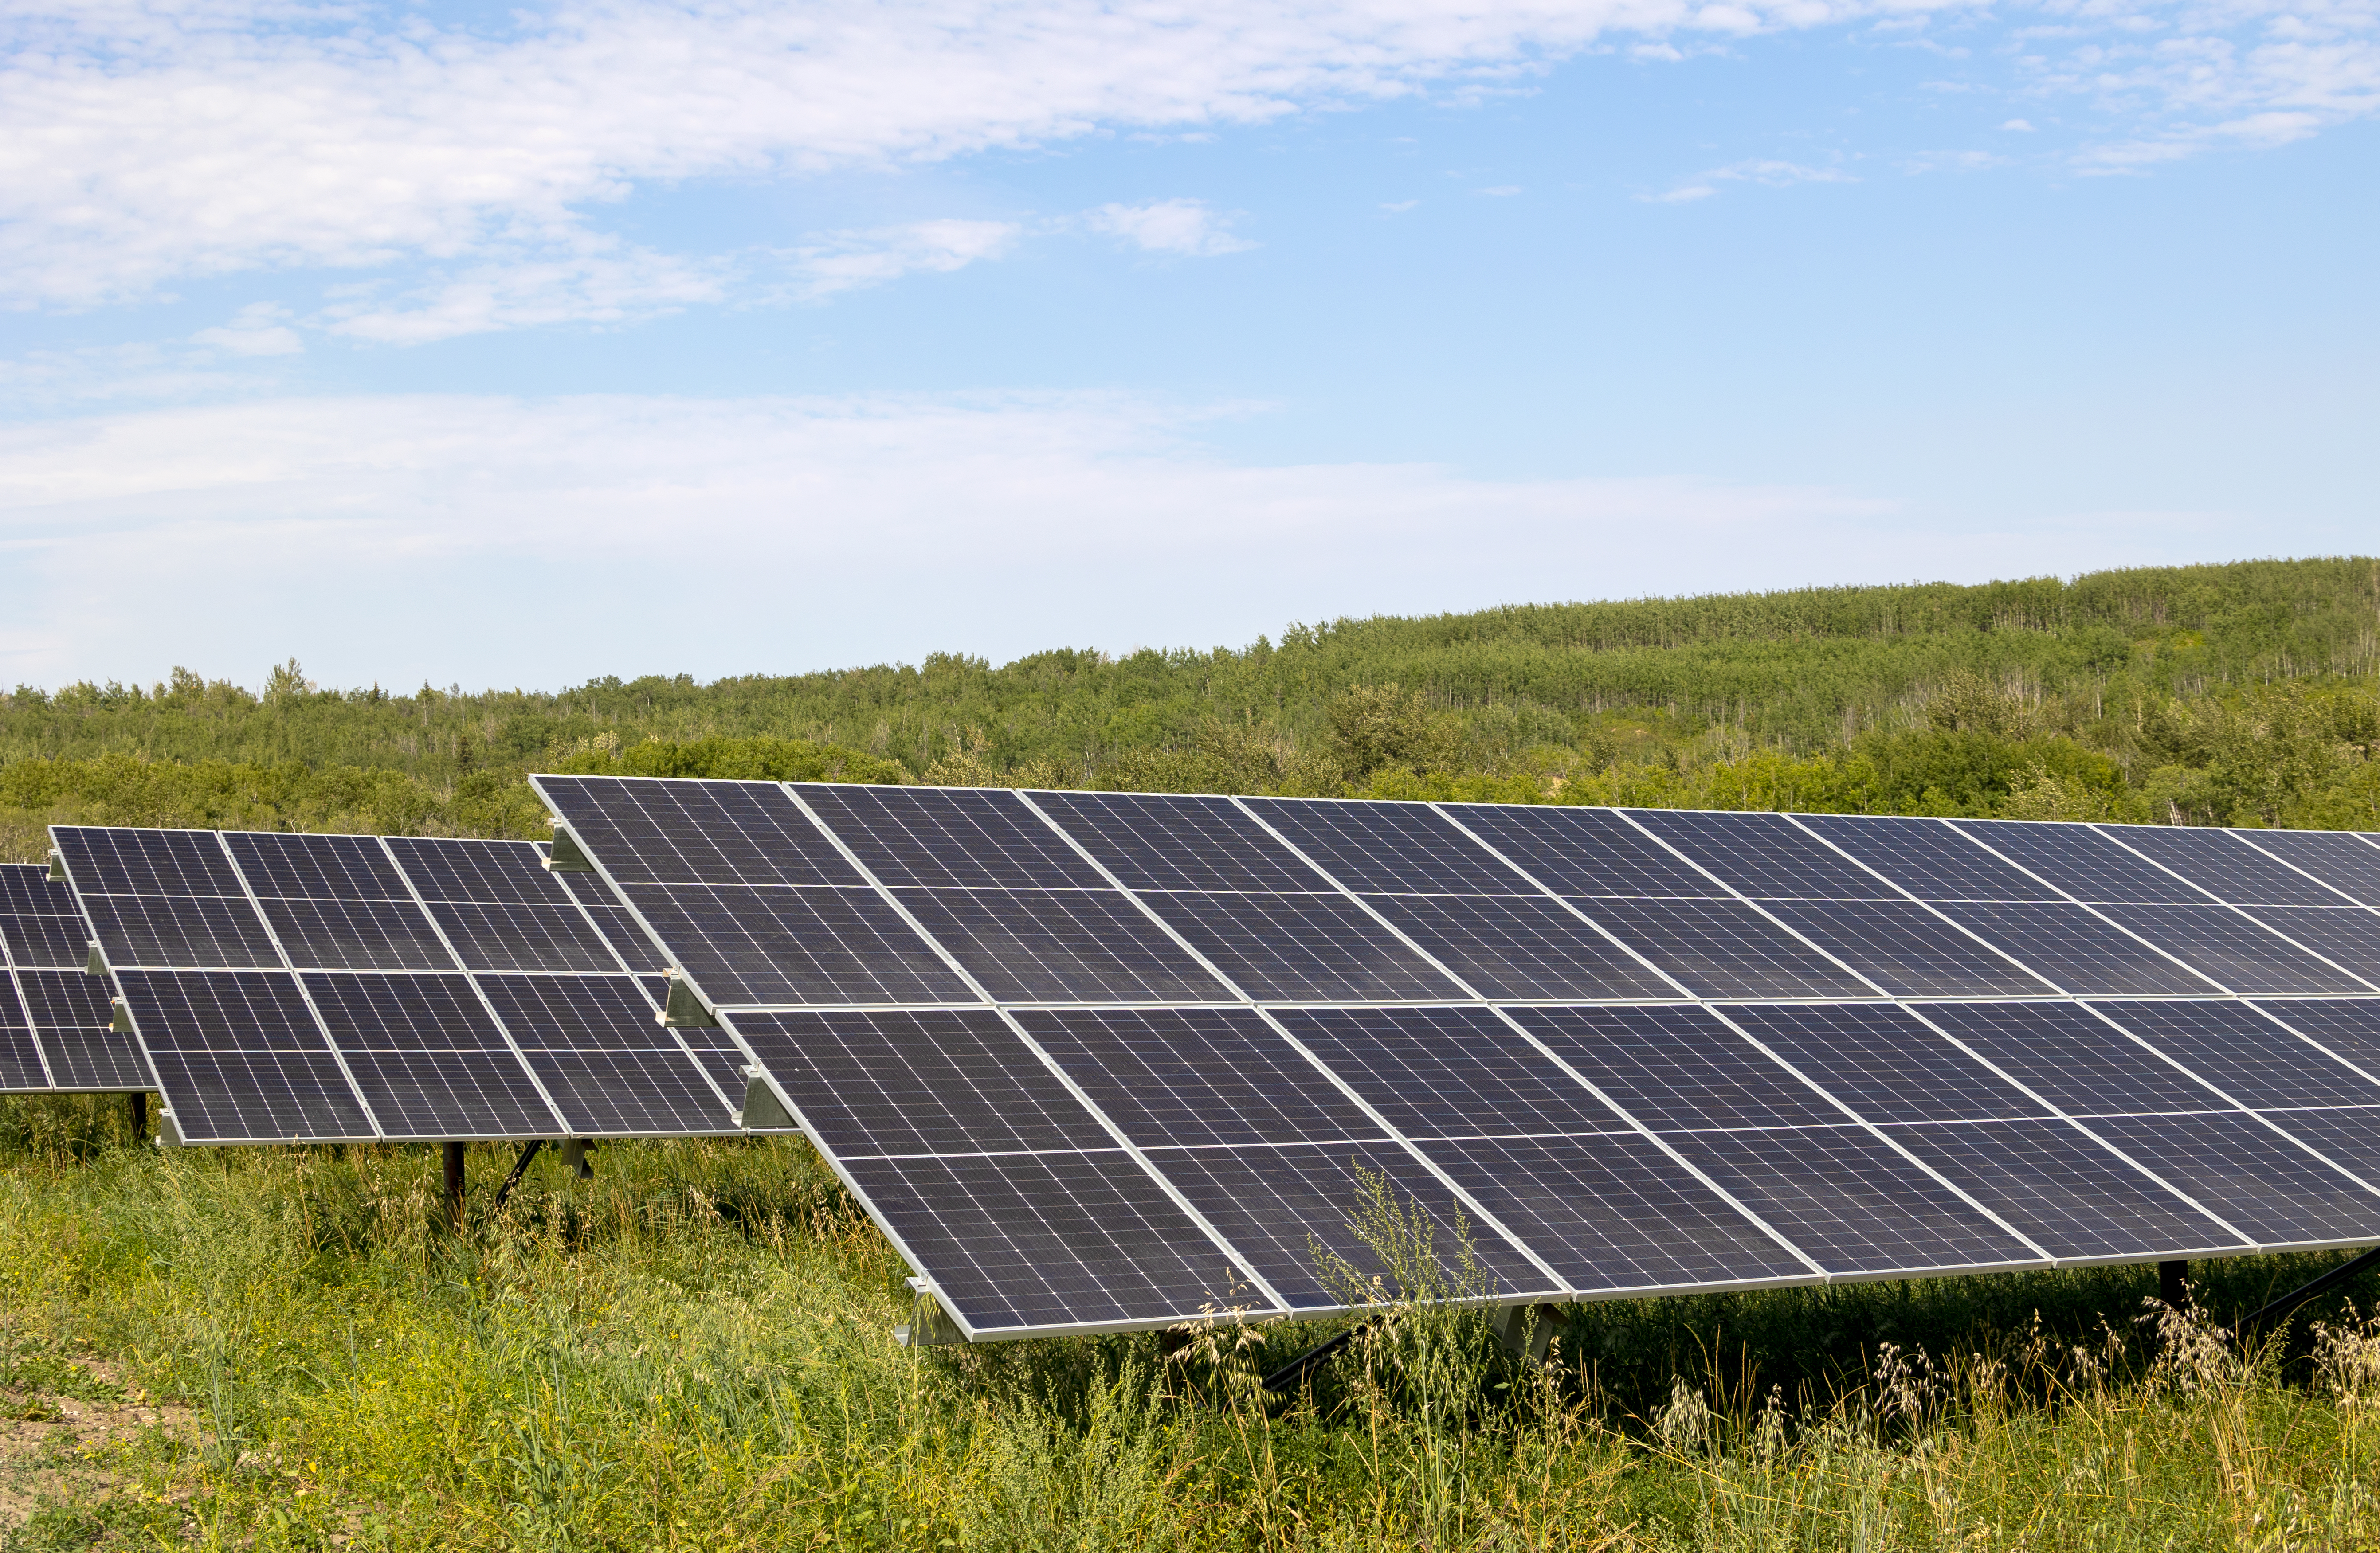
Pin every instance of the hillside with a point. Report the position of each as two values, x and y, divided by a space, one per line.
2220 694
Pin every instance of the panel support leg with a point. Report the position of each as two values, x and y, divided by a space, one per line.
2280 1308
139 1110
520 1168
2173 1284
1528 1330
454 1160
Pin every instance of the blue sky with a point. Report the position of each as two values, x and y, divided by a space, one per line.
508 347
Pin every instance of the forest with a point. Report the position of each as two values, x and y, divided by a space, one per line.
2242 694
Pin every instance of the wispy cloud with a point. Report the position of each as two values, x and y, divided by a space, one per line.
846 260
1186 228
1768 172
260 329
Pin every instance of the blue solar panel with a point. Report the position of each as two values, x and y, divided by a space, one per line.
2244 1054
1197 1077
2082 953
1764 856
2068 1195
957 837
1522 946
1928 858
2073 1058
1574 851
2276 1193
1884 1063
1907 949
1389 848
2080 861
2223 863
1724 949
755 945
1166 841
1676 1069
2230 949
1300 947
53 1019
652 831
1060 946
2349 937
2345 862
1450 1073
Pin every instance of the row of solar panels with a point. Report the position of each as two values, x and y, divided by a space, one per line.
1102 1060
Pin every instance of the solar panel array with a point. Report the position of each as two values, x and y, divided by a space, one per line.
1099 1062
328 988
55 1025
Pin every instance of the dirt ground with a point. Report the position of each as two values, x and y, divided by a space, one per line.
66 1429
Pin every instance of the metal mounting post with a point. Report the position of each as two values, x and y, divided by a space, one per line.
95 962
1528 1330
574 1157
454 1162
684 1010
520 1168
2251 1324
929 1325
58 868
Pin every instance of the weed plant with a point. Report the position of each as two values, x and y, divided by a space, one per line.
693 1350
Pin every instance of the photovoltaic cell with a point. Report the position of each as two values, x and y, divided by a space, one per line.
1314 947
1449 1072
70 1015
1574 851
1522 946
1166 841
197 930
1927 857
1614 1212
951 837
522 937
2231 950
2348 1027
1678 1068
1389 848
2081 952
427 1057
1907 949
114 862
481 872
2247 1056
761 945
618 926
2350 1136
2080 861
2068 1195
240 1059
2347 936
53 1019
1764 856
2343 861
1884 1063
1299 1213
2073 1058
356 935
2224 865
956 1081
315 868
1724 949
1850 1203
653 830
1196 1076
44 940
2275 1193
593 1043
1021 1240
1060 946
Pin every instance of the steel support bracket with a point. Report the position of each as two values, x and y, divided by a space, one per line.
684 1010
564 856
929 1325
58 868
122 1021
1528 1330
95 962
168 1135
574 1157
764 1112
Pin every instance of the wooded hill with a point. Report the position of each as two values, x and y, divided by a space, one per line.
2239 694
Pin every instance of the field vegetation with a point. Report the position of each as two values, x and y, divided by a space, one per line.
295 1348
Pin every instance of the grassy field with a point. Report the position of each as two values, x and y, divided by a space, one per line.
288 1349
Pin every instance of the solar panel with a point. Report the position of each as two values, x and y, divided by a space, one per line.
54 1021
2227 866
1610 1052
421 990
2348 863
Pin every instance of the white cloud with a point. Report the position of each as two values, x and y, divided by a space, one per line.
1774 173
1189 227
2019 125
1501 190
259 329
138 143
844 261
501 540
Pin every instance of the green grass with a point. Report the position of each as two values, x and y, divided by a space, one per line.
693 1351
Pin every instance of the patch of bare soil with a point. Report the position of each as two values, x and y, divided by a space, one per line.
62 1434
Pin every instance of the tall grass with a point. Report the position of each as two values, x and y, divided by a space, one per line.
693 1350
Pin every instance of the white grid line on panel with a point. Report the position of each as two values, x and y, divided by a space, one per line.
2241 912
1238 1259
2077 901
